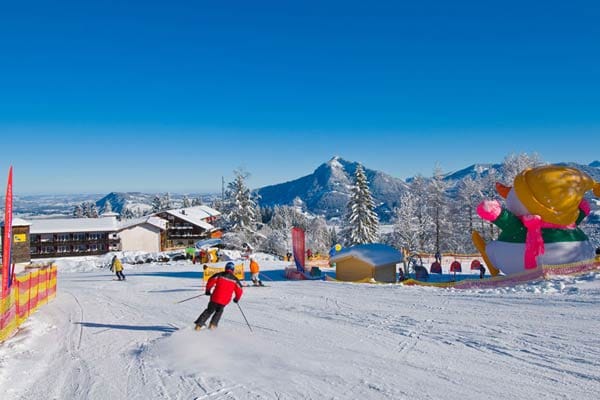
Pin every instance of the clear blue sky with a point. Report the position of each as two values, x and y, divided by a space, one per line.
100 96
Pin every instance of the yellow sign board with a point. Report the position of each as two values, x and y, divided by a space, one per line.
19 237
238 271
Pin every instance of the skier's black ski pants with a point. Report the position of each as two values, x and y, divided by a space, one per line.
212 307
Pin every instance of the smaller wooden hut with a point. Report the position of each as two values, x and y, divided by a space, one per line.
365 262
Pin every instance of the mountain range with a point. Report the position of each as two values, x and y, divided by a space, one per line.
324 192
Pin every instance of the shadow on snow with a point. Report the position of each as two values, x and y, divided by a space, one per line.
157 328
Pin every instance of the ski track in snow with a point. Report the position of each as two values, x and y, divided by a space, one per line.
102 339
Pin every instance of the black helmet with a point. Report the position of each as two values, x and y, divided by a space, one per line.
229 266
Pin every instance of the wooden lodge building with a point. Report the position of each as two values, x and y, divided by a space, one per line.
64 237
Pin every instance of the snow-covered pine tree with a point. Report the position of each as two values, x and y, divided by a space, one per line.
107 207
85 207
93 210
362 221
156 204
186 202
165 202
78 211
240 209
126 213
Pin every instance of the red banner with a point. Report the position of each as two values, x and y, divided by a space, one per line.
298 247
6 244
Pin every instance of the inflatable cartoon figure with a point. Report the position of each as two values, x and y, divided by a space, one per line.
539 220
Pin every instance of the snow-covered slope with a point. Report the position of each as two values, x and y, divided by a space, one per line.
104 339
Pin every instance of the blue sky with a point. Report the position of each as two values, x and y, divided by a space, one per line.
100 96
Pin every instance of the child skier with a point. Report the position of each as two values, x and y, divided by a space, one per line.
254 270
225 285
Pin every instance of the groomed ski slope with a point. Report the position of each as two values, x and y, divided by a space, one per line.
103 339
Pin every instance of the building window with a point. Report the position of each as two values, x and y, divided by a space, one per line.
63 249
79 236
47 249
63 237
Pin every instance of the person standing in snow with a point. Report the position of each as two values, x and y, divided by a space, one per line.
117 268
225 285
255 271
481 271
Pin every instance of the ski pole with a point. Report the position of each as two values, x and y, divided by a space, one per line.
265 276
181 301
238 304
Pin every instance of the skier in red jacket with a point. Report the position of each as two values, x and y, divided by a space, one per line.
225 284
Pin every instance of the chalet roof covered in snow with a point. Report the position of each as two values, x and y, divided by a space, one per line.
152 220
60 225
107 224
196 215
373 253
18 222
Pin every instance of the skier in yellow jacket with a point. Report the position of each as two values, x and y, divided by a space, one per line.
117 268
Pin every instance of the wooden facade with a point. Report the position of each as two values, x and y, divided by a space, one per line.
20 243
48 245
181 232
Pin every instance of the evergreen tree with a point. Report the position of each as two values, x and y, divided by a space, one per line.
165 202
362 221
241 211
93 210
85 207
126 213
107 207
78 211
186 202
156 204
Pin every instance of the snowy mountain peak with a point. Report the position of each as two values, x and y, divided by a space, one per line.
326 191
335 162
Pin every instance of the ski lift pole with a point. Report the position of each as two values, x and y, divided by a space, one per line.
245 319
190 298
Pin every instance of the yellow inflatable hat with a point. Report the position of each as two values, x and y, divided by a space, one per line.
554 192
